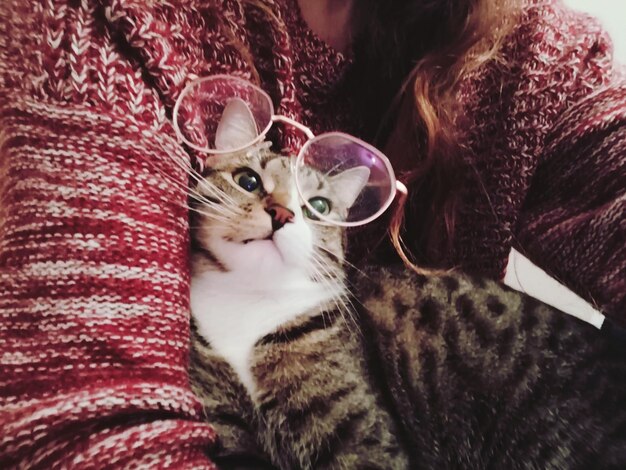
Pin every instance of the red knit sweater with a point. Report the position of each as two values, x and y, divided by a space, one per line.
93 239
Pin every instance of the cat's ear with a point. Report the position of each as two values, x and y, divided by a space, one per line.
348 184
237 126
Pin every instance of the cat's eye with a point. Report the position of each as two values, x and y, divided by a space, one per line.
321 206
248 180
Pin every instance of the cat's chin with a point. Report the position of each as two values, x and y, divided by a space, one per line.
287 248
252 255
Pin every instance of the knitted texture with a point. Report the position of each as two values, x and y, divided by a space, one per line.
579 188
547 145
94 237
93 226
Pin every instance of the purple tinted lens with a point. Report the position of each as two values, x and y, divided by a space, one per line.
356 178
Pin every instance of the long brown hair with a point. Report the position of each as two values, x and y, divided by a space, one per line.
424 48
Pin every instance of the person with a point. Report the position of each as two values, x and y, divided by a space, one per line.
506 121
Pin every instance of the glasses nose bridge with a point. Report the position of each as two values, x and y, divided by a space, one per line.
292 122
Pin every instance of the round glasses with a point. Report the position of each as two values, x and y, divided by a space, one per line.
351 165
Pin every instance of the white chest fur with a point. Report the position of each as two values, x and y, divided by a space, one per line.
233 310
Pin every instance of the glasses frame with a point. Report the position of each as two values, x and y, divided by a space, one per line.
397 188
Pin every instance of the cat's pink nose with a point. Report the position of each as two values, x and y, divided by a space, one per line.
280 215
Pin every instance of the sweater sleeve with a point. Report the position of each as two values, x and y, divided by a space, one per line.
93 252
574 217
548 150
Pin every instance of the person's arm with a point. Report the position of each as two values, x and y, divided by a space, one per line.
556 183
573 222
94 318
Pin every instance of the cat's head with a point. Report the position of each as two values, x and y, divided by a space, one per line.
248 215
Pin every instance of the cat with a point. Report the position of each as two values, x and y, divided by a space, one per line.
272 334
406 371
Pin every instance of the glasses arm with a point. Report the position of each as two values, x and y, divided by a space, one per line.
402 193
401 188
296 124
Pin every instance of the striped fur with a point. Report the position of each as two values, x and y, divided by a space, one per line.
450 371
314 408
464 372
484 377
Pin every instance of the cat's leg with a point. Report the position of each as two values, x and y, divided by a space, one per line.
317 406
227 408
485 377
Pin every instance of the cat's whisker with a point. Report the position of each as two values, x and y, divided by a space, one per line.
217 210
225 212
322 274
345 261
201 198
184 189
341 302
198 179
187 168
196 197
225 204
210 215
179 186
216 193
347 300
345 280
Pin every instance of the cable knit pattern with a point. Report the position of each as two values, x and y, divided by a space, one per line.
93 226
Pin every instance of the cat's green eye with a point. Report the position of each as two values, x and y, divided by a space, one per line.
247 179
321 206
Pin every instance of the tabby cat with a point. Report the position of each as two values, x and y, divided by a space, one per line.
440 372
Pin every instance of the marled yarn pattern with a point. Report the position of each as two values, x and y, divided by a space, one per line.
93 239
546 138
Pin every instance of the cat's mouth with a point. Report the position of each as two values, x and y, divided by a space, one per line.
250 240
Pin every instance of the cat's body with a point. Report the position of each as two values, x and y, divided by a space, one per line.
483 377
465 374
275 325
313 405
422 373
